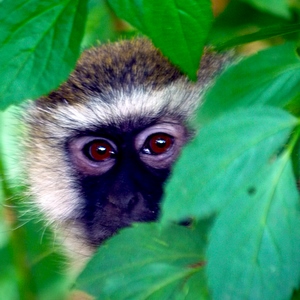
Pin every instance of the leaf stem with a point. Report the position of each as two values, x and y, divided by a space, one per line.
294 151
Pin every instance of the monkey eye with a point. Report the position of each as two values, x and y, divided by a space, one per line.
99 150
158 143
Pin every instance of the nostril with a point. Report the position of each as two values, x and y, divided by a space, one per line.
132 203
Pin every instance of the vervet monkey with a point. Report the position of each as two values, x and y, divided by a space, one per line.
100 148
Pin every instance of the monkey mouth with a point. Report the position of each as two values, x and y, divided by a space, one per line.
107 225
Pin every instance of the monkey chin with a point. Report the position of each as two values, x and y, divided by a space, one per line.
80 247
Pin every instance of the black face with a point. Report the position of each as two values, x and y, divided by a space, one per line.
121 175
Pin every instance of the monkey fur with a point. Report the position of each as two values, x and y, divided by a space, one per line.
118 89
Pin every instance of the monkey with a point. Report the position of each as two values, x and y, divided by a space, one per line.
100 147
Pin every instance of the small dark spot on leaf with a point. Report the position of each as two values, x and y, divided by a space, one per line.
187 222
251 190
199 264
273 158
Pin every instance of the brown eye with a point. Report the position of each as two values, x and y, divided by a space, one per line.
99 150
158 143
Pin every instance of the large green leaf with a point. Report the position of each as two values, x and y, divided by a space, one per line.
254 250
270 77
149 262
99 25
39 45
173 26
276 7
223 159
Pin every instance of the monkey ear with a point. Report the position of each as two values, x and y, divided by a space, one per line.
212 63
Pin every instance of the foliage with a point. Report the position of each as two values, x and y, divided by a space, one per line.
276 7
186 19
258 212
235 182
270 77
37 37
163 267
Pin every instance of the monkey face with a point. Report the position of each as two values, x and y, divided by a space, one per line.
100 148
121 174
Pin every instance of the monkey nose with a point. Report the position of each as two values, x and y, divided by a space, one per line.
124 202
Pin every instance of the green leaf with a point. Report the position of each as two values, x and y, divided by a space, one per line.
44 258
8 277
10 131
4 133
264 33
255 242
238 19
39 45
276 7
172 25
293 106
149 262
99 25
270 77
223 158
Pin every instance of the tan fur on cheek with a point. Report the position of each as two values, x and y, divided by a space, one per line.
50 183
